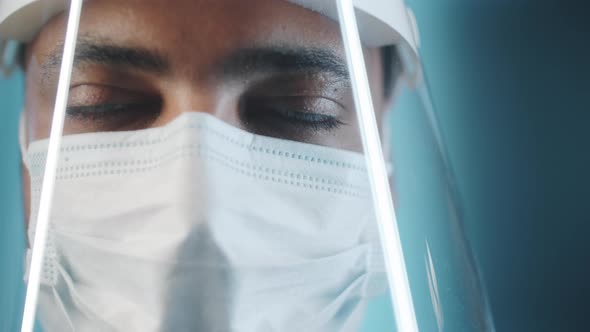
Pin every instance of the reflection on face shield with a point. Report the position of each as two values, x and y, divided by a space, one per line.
202 226
292 83
195 224
211 174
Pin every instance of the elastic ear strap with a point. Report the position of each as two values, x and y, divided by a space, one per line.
387 141
8 57
22 137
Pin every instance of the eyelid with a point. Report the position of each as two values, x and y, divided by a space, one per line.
95 94
306 102
309 96
269 113
112 77
315 120
308 93
104 86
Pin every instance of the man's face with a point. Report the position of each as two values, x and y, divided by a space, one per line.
266 66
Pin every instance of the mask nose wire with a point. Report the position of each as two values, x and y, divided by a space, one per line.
48 185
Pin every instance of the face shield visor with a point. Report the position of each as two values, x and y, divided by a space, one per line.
261 165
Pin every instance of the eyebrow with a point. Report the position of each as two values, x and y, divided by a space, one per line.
238 64
243 62
89 51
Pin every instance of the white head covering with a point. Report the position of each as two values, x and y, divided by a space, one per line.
381 22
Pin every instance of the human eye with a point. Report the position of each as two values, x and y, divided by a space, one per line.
291 117
306 107
97 107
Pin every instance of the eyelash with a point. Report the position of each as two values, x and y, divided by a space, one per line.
98 111
113 115
314 121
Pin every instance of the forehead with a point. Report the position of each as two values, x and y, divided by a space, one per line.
198 28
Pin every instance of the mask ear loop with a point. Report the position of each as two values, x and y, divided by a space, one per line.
8 57
22 138
387 144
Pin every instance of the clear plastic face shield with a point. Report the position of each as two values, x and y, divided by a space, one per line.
230 165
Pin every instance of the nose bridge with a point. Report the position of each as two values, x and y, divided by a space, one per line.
200 96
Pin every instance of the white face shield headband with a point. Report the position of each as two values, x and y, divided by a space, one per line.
230 169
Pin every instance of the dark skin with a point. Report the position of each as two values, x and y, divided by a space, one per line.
265 66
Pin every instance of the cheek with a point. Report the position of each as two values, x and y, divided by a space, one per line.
41 89
376 80
37 127
38 107
374 66
374 63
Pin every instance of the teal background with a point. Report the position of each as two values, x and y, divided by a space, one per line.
12 240
511 82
